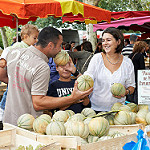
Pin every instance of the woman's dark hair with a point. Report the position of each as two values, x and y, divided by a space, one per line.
78 47
87 46
68 46
117 34
48 34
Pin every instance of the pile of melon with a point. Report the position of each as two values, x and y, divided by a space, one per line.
70 124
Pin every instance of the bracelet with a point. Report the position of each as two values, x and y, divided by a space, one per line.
76 73
129 92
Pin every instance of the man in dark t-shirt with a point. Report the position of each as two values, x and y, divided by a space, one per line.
64 87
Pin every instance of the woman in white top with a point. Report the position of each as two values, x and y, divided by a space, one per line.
110 67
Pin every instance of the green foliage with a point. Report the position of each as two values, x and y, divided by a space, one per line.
10 33
57 23
1 42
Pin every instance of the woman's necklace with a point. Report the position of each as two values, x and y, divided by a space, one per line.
115 62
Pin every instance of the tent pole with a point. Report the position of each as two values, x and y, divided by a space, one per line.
16 29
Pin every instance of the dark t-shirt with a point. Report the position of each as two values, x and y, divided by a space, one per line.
61 89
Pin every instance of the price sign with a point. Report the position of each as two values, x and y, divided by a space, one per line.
143 86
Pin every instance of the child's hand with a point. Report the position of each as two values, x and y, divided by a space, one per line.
3 63
86 100
70 66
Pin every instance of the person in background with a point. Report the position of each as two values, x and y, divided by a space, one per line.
54 75
77 48
110 67
126 51
72 43
68 47
138 61
15 39
146 50
63 45
98 47
83 57
126 42
64 87
29 34
29 76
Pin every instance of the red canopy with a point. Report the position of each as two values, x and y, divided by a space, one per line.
136 24
26 9
114 15
129 14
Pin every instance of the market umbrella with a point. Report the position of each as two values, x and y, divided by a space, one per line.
129 14
25 9
12 21
136 24
114 16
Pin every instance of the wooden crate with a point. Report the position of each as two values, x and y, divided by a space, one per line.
7 137
127 129
75 141
12 137
110 144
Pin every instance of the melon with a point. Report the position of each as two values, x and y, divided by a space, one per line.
133 106
55 128
26 121
148 118
117 89
133 116
62 58
70 112
77 128
92 138
122 118
116 106
60 116
117 134
88 112
98 126
103 138
141 116
40 123
125 108
85 82
143 106
110 119
77 117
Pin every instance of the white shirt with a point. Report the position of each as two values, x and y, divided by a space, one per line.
101 98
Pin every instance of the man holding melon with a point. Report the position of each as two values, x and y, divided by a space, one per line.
109 67
29 75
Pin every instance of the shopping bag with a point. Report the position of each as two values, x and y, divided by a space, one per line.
140 145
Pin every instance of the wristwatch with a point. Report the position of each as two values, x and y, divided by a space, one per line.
76 73
128 92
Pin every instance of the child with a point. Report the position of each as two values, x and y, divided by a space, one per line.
29 35
64 87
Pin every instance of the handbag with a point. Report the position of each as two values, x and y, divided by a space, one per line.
91 55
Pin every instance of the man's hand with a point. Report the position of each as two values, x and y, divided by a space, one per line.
76 94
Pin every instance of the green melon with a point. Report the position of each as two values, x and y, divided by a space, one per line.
117 89
62 58
98 126
26 121
85 82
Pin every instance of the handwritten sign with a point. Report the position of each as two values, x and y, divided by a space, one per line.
143 86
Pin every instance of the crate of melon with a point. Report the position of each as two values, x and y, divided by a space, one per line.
15 138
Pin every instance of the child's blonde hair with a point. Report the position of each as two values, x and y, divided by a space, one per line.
28 29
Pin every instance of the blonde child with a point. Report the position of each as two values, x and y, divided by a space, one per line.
29 35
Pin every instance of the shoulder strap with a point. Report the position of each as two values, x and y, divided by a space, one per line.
87 61
133 56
